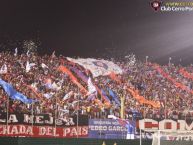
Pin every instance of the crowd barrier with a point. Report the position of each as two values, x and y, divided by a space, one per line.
72 141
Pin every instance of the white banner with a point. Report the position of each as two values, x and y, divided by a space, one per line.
98 67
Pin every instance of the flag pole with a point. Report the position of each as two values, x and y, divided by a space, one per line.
7 123
140 137
169 61
55 115
100 116
77 117
122 114
146 59
165 108
122 107
32 116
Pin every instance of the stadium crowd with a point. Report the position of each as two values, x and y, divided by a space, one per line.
38 78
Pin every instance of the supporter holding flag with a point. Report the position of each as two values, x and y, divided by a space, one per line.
53 54
56 86
92 91
48 95
44 66
34 86
68 95
105 95
28 53
114 96
3 69
16 51
48 83
28 66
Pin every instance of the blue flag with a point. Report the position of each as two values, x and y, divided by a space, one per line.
114 96
13 94
105 95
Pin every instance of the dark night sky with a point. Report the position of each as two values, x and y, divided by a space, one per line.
97 27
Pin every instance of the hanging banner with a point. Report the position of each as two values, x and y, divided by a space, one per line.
43 131
43 120
107 129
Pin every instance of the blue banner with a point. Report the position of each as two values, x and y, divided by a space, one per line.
106 129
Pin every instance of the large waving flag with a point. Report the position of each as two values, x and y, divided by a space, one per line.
85 79
80 74
186 74
135 94
13 94
98 67
72 77
171 79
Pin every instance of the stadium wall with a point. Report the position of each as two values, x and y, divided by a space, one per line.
60 141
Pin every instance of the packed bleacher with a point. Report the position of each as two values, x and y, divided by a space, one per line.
61 94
